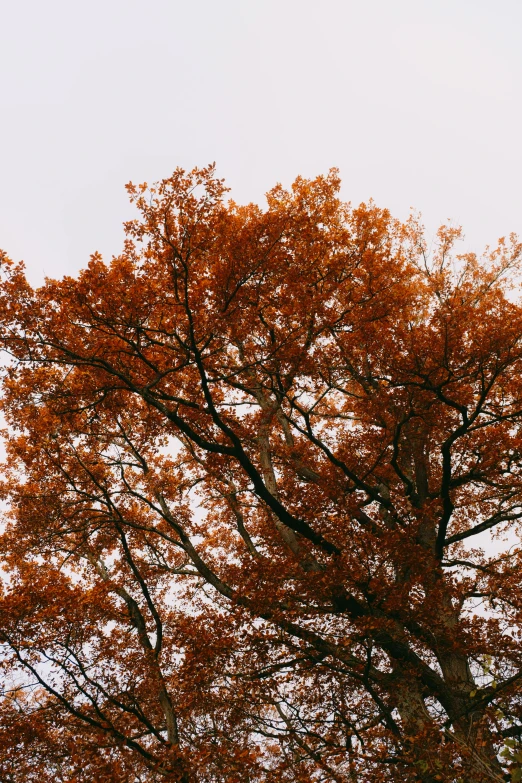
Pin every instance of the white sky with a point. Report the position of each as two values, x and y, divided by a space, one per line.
418 102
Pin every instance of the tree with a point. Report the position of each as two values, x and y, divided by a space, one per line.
264 489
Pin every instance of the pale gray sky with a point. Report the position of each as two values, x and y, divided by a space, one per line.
418 102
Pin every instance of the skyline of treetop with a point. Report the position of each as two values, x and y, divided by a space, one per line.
255 464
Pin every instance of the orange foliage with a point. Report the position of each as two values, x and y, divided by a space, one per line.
254 467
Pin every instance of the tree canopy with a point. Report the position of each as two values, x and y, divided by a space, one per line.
263 495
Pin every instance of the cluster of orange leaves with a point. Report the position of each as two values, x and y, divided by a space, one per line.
263 489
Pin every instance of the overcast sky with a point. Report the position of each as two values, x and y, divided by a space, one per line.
418 102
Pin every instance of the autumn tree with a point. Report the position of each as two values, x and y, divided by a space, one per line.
263 488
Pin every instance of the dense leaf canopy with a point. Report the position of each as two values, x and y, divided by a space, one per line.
263 489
